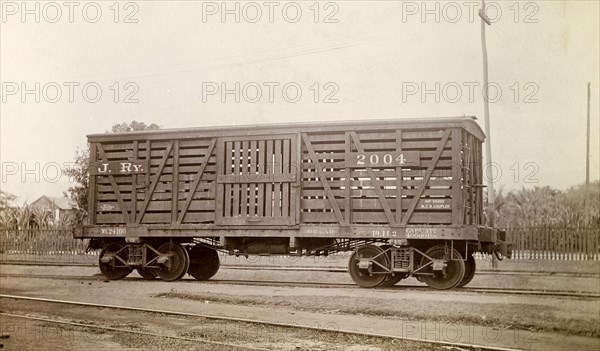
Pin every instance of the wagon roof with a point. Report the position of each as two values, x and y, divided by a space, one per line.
468 123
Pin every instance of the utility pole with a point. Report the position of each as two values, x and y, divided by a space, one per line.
587 148
486 108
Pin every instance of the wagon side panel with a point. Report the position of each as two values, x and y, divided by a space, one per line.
146 182
393 177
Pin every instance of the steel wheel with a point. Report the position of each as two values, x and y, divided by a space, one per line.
117 268
469 271
454 271
362 276
204 262
177 264
147 273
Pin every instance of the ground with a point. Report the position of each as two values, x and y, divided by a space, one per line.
526 322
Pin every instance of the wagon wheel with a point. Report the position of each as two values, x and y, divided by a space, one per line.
117 267
362 277
453 272
469 271
147 273
176 265
204 262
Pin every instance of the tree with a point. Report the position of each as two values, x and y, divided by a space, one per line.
79 175
6 200
7 209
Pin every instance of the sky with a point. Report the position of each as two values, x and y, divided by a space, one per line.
77 69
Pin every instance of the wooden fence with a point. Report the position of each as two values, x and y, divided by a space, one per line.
43 245
561 244
537 243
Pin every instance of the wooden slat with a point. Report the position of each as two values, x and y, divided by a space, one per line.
423 155
376 218
159 218
228 188
269 186
439 174
421 189
337 146
236 187
471 177
135 184
244 187
277 186
147 180
399 179
375 182
92 195
115 188
256 179
324 182
153 184
261 186
175 182
252 170
295 192
360 204
456 185
370 193
285 186
347 186
387 182
192 190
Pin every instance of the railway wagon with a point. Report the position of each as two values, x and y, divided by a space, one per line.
404 196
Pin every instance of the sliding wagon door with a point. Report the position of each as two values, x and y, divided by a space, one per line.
257 182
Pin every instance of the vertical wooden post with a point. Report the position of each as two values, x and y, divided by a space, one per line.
348 184
455 172
92 187
134 183
175 182
399 179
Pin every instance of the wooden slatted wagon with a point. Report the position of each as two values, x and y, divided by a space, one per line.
405 195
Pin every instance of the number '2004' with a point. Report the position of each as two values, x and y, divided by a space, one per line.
373 159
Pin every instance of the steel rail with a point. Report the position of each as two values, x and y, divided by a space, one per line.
254 321
322 269
491 290
128 331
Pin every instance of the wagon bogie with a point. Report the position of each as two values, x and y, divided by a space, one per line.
293 189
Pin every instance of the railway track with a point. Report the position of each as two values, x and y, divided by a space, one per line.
476 290
332 269
126 331
222 318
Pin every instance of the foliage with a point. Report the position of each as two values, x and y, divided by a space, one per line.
79 174
6 199
28 217
133 126
576 207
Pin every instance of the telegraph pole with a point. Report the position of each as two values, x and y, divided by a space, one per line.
587 148
486 108
488 144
